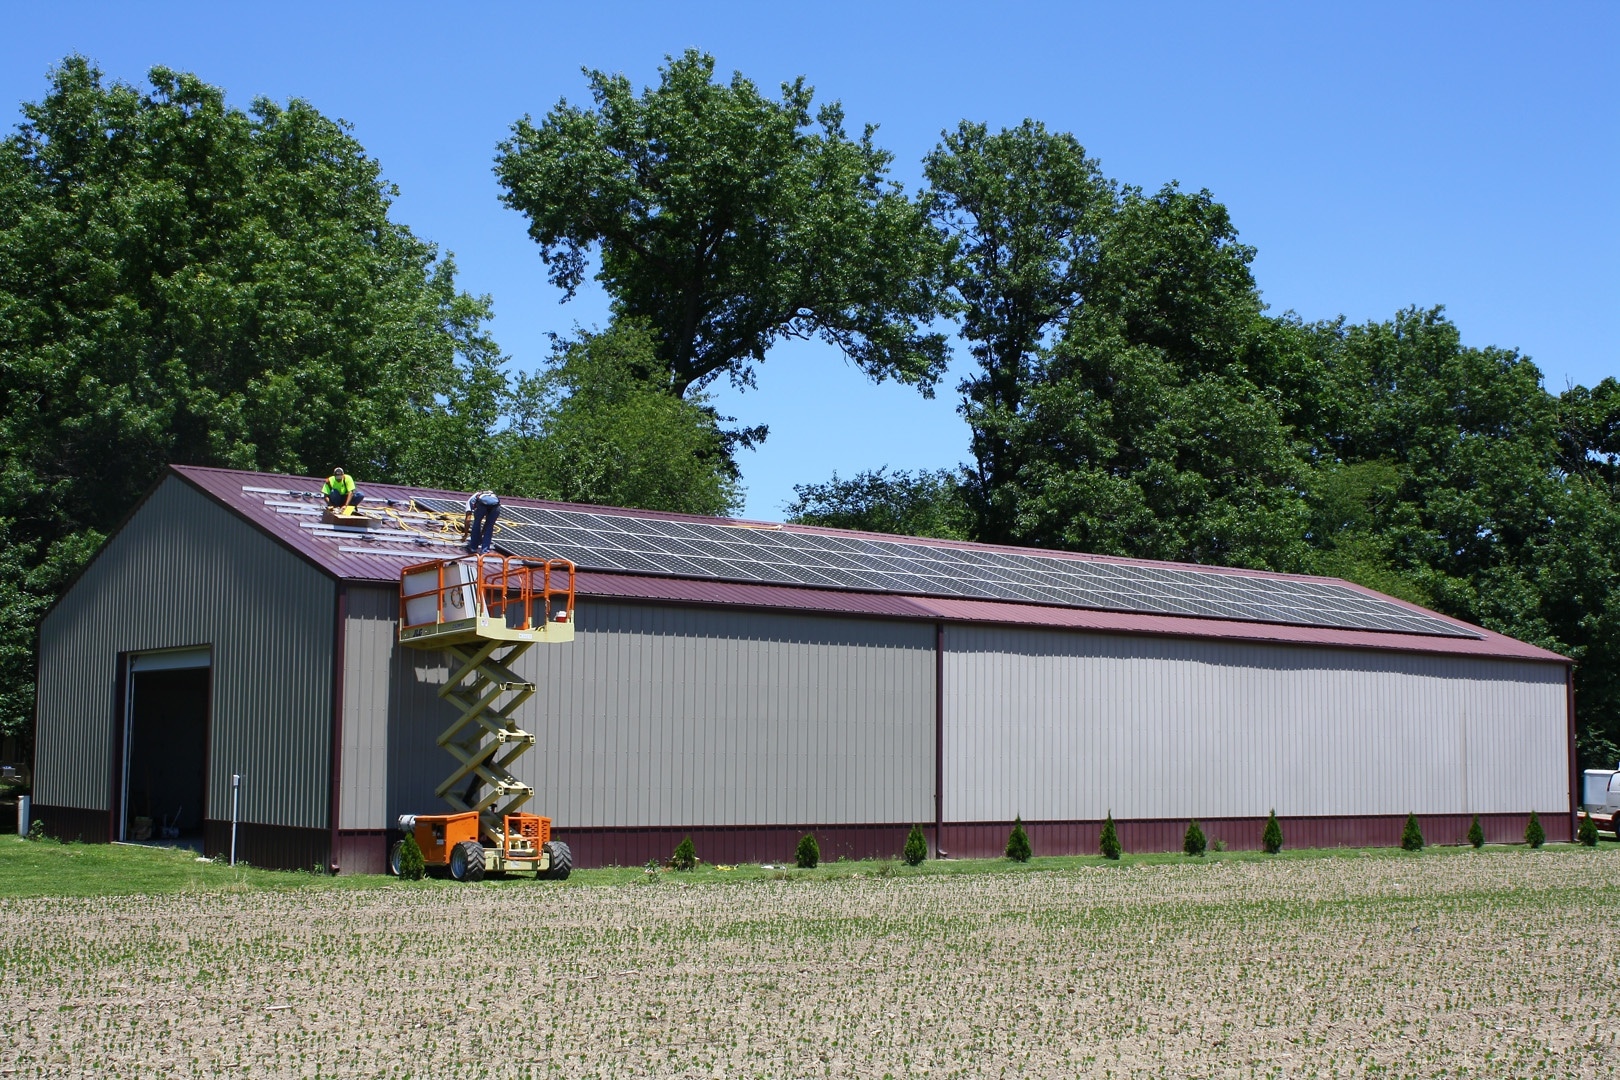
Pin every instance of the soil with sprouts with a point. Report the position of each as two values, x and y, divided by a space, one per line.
1472 964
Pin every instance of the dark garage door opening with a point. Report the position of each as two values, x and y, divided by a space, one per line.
168 747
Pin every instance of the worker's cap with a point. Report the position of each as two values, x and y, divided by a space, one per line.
337 472
488 498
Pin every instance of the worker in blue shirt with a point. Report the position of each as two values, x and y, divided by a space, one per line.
340 492
483 507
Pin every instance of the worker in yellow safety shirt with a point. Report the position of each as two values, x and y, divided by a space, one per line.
340 492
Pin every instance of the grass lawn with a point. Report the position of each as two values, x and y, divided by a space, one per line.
49 868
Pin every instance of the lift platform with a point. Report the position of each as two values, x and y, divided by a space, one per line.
484 612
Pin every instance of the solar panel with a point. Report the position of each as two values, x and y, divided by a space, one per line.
630 543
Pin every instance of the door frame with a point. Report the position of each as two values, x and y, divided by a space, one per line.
130 664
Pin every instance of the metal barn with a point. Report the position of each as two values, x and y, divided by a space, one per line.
745 683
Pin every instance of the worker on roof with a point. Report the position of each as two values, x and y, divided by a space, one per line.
483 507
340 492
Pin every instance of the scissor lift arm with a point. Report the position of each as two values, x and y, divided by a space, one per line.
484 612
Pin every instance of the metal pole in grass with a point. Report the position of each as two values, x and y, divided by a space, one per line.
236 798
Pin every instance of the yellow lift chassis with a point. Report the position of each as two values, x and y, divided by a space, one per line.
483 612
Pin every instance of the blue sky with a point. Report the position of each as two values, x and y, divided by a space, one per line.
1377 155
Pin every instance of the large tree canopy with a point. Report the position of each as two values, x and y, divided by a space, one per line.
181 281
1118 402
923 503
726 221
599 425
1151 427
1447 474
1020 211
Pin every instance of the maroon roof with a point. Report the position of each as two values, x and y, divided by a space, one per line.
286 508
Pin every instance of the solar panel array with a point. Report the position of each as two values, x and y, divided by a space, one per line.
777 556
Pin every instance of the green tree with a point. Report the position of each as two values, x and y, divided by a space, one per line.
1534 834
685 856
1411 834
923 503
181 281
1018 849
1448 475
412 867
1193 842
727 221
1108 839
807 856
600 426
1271 837
1125 400
1021 211
1153 426
916 850
1476 835
1587 834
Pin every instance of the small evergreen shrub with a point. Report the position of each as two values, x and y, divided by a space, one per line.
916 847
1271 839
1587 833
1411 834
1193 843
1108 842
808 856
36 831
1219 844
412 867
1534 834
685 857
1476 835
1018 842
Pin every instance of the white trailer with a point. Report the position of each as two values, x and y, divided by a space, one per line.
1600 797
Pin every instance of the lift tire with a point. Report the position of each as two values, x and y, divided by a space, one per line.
394 857
467 861
562 861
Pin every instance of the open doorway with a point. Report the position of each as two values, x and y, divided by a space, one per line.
166 751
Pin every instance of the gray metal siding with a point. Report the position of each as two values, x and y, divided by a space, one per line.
370 642
183 572
1068 726
688 716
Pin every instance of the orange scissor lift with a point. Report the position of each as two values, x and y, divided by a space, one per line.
483 612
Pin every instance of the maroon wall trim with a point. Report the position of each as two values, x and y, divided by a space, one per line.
278 847
269 847
732 843
69 823
986 840
775 843
362 851
1574 761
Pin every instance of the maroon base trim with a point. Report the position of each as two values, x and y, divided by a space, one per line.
269 847
732 843
362 851
987 840
70 823
279 847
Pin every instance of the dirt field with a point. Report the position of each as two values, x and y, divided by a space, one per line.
1466 964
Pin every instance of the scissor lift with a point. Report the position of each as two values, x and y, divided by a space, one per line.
484 612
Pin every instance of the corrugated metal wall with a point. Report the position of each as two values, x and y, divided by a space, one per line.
1064 726
184 572
371 638
692 716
